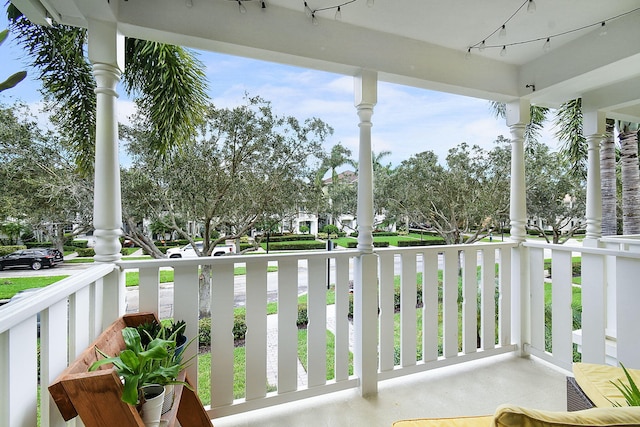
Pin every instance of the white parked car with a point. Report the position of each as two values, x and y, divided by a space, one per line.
189 252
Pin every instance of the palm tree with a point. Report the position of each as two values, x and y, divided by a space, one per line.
15 78
628 133
172 101
609 187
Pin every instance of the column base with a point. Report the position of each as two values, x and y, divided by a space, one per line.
107 245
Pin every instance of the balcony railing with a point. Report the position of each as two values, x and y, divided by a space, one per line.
437 306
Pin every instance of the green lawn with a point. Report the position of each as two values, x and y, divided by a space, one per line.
11 286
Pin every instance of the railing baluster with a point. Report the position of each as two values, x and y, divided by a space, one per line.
287 329
488 295
79 312
450 304
536 257
386 261
561 345
222 342
430 285
317 328
53 357
341 315
408 321
594 313
504 299
470 302
185 307
256 338
149 290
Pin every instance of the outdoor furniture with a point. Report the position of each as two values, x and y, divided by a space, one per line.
593 385
512 416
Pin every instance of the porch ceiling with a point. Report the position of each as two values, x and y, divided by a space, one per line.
415 42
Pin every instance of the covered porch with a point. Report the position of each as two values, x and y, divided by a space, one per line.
483 306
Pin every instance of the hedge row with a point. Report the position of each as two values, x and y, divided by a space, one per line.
292 246
405 243
6 250
353 244
384 234
289 238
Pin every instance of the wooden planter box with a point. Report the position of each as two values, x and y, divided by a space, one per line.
95 396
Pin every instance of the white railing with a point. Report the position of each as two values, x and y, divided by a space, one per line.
42 333
469 310
609 292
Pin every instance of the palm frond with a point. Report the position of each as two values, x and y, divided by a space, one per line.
574 145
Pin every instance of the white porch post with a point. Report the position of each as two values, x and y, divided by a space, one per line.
366 265
106 52
594 127
518 116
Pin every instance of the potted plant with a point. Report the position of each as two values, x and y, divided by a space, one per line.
141 365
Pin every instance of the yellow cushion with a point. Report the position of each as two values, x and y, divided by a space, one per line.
446 422
595 381
512 416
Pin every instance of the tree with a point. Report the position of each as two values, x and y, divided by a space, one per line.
460 201
628 134
170 103
609 185
41 188
555 195
246 165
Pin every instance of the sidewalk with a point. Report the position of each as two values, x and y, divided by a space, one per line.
166 310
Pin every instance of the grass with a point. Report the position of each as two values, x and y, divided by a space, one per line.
166 276
11 286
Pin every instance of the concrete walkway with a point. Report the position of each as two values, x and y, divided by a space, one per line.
166 310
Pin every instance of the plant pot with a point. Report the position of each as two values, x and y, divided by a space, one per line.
169 393
152 406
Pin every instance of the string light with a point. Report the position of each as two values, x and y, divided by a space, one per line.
531 7
311 13
188 3
501 30
241 7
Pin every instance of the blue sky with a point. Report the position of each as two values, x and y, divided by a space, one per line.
406 120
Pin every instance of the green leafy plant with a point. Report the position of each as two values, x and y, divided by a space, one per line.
139 365
15 78
630 391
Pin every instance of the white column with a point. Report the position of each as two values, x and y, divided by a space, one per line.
365 301
366 96
594 127
106 49
518 116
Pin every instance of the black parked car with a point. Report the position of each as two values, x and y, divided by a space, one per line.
35 258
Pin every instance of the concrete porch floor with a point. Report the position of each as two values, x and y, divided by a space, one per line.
473 388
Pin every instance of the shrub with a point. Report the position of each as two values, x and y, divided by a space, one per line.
239 329
288 238
79 243
384 234
6 250
88 252
381 244
30 245
303 317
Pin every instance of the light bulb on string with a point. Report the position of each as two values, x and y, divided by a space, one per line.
482 46
241 7
338 16
468 54
188 3
603 29
503 51
314 20
531 7
503 31
547 45
307 10
370 3
264 4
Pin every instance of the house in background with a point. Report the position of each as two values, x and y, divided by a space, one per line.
548 57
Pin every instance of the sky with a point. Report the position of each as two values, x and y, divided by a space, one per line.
406 120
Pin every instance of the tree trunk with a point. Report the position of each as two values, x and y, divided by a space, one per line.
205 291
609 190
630 182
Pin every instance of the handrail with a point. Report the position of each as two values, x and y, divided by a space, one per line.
18 311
